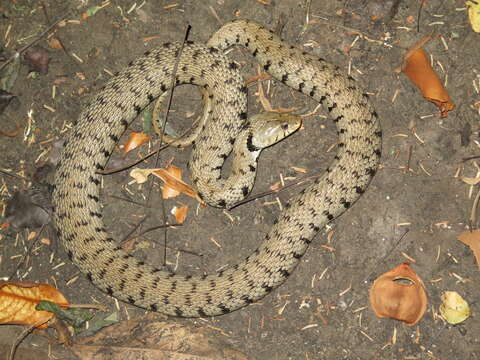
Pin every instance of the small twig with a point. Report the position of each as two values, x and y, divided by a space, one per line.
153 228
39 37
470 158
125 199
381 261
420 7
137 225
172 87
270 192
473 213
5 172
128 166
20 338
409 158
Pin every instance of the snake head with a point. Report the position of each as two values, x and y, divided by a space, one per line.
268 128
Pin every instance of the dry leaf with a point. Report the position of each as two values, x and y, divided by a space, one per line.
417 67
474 14
171 191
180 213
392 299
54 43
472 239
172 177
18 301
454 309
141 175
135 140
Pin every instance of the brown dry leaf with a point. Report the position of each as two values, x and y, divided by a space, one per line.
392 299
416 65
172 177
472 239
54 43
149 338
135 140
175 173
10 133
180 213
19 299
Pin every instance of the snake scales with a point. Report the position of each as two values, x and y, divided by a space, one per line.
77 212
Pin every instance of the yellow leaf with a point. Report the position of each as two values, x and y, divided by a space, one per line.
19 299
474 14
454 309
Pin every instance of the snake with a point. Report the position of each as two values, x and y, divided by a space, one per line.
76 201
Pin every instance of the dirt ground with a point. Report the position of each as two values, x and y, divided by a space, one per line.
414 208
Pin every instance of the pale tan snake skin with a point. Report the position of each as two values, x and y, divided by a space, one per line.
77 212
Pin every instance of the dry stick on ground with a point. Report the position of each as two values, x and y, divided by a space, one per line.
473 213
8 173
270 192
381 261
169 104
420 7
409 159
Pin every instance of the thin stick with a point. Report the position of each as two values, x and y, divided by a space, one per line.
386 255
422 2
13 175
269 192
407 167
473 214
172 87
470 158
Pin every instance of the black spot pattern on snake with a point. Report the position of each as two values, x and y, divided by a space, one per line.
76 209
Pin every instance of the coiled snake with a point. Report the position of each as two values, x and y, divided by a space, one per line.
77 212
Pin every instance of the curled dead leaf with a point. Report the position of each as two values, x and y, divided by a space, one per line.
19 299
172 177
180 213
390 298
135 140
416 65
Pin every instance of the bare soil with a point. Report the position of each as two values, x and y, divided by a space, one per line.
414 208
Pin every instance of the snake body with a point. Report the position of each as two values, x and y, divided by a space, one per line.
77 212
